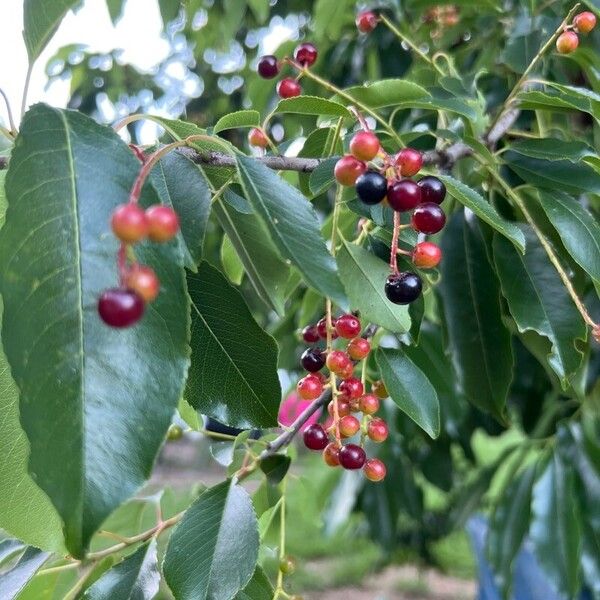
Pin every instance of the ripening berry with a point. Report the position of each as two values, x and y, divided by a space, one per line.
129 223
585 21
404 195
343 407
309 387
348 169
331 454
288 88
352 456
163 223
358 348
349 426
377 430
310 334
322 329
426 255
403 288
120 307
428 218
268 67
306 54
378 388
337 361
567 42
374 470
257 138
348 326
351 388
409 161
143 280
315 437
368 404
347 371
366 21
364 145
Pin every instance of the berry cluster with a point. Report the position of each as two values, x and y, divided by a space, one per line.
568 40
124 305
305 55
379 177
349 397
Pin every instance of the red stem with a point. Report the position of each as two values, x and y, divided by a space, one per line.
395 237
122 263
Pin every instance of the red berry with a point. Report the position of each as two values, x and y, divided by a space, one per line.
143 280
163 223
305 54
310 334
364 145
310 387
348 326
403 288
366 21
288 88
337 361
349 426
343 407
432 189
428 218
368 404
347 371
352 456
120 307
315 437
377 430
351 388
404 195
268 67
322 329
410 161
331 455
567 42
129 223
374 470
313 359
348 169
378 388
585 21
358 348
257 137
426 255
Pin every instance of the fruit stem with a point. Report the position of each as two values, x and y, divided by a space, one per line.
360 118
533 64
395 238
122 263
279 588
11 121
26 89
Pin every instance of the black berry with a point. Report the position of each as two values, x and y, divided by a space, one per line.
432 189
313 359
403 288
268 66
352 456
371 187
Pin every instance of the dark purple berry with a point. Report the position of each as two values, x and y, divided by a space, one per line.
432 189
403 288
404 195
306 54
310 334
313 359
315 437
371 187
352 456
268 67
428 218
120 307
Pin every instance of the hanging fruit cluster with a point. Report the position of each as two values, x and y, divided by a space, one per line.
348 397
568 40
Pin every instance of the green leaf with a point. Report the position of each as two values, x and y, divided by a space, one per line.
312 105
577 228
258 588
364 275
233 375
410 389
267 273
41 20
508 526
240 118
93 376
169 10
15 579
212 552
556 526
293 225
386 92
115 9
232 265
330 17
182 185
8 548
275 467
538 301
557 102
479 344
475 202
135 578
553 149
322 178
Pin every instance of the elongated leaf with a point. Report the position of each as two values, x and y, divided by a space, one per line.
135 578
330 17
233 375
364 275
15 579
312 105
322 178
410 389
212 553
262 263
76 375
577 228
508 526
553 149
293 225
232 265
258 588
41 19
556 526
182 185
484 210
240 118
386 92
557 102
479 344
539 302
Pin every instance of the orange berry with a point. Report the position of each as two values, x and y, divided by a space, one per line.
374 470
585 21
129 223
163 223
567 42
143 280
